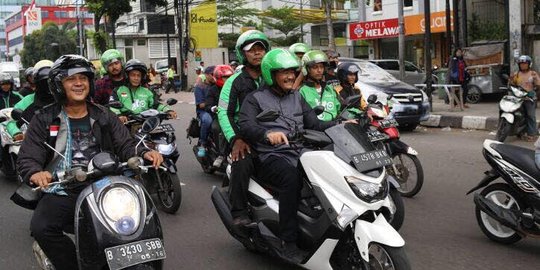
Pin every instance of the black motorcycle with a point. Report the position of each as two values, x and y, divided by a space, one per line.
509 211
162 183
116 223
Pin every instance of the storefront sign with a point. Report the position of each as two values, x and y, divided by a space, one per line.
374 29
416 24
203 25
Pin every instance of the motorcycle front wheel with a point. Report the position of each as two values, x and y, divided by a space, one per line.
503 130
409 173
396 220
382 257
170 197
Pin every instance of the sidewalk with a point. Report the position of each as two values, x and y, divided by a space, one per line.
483 116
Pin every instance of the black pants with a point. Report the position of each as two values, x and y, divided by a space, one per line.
171 85
241 171
280 174
54 215
219 138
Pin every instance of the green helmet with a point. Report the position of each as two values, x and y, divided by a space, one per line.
247 38
277 59
313 57
299 48
110 56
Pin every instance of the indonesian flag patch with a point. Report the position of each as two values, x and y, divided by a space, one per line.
123 94
53 130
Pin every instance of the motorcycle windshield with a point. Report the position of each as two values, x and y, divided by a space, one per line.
349 140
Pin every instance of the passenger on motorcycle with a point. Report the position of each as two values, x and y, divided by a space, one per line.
347 74
204 116
9 97
221 74
29 86
112 61
299 49
35 101
251 47
330 72
277 160
315 90
529 80
78 129
134 97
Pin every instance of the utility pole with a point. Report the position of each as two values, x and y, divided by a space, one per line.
448 29
401 40
168 37
302 21
179 4
464 23
514 34
427 50
455 6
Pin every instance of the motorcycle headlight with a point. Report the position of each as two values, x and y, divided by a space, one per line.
122 210
166 149
346 216
368 191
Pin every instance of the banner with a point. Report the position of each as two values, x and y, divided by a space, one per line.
203 25
33 19
374 29
416 24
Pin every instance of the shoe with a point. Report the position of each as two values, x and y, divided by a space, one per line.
292 253
466 106
218 161
202 152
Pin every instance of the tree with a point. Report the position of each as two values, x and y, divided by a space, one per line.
280 19
329 25
234 13
49 42
485 30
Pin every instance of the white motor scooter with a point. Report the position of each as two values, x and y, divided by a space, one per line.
343 209
10 148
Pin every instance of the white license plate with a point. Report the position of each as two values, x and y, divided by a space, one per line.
122 256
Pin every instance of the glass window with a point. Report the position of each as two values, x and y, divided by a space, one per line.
128 42
129 53
141 42
141 24
410 67
44 14
407 3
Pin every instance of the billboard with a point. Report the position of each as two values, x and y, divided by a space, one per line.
203 25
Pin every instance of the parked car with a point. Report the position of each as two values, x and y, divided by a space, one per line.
413 74
162 66
13 69
410 105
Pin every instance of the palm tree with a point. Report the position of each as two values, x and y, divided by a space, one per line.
329 25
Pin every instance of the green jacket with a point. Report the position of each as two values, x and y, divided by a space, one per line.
236 88
11 126
328 98
136 101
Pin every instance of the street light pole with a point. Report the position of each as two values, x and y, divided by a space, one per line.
427 51
401 40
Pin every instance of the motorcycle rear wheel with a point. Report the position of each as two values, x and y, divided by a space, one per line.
411 174
506 197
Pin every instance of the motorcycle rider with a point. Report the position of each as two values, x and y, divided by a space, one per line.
134 97
9 96
205 117
221 74
35 101
277 161
299 49
91 129
529 80
251 47
29 86
315 90
347 74
112 61
330 74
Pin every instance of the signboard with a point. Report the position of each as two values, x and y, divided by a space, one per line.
33 20
198 55
203 25
416 24
374 29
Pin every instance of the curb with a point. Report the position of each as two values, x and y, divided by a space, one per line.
463 122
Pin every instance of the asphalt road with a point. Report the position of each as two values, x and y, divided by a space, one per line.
440 228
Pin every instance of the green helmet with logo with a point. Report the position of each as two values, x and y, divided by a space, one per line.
277 59
299 48
110 56
313 57
247 38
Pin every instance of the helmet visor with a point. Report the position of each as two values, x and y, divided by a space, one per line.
250 45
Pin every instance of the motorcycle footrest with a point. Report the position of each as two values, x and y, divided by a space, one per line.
506 217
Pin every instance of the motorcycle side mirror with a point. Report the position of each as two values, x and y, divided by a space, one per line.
105 162
267 116
372 99
150 124
171 101
16 114
114 104
318 109
352 99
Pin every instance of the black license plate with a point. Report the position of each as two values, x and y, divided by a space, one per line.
371 160
126 255
388 123
375 136
164 128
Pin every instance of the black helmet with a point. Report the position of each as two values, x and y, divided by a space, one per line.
28 72
65 66
6 78
346 68
136 64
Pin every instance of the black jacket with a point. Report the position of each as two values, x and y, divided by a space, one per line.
212 98
296 114
34 156
10 100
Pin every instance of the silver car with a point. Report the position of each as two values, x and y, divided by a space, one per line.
413 74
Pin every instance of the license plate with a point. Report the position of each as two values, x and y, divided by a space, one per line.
375 136
164 128
371 160
126 255
388 123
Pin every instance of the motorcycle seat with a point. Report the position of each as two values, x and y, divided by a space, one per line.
520 157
